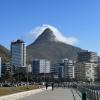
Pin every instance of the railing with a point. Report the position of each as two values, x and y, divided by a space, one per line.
90 93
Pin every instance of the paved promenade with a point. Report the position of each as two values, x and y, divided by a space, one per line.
57 94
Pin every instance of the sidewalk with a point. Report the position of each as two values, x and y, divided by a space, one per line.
57 94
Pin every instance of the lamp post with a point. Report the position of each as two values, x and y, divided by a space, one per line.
27 74
44 70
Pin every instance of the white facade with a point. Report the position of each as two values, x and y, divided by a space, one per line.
0 66
40 66
44 66
65 68
18 53
85 71
94 57
90 71
69 69
29 68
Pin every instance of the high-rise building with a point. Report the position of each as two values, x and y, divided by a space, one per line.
86 66
18 53
65 68
86 71
69 69
87 56
0 66
40 66
59 69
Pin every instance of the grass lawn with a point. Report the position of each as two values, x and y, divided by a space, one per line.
11 90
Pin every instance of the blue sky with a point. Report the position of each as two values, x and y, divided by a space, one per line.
74 18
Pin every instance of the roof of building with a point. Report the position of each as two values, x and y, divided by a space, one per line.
18 41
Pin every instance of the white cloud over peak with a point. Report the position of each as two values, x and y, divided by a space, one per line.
59 36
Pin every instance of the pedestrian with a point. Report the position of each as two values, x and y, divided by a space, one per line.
52 84
46 85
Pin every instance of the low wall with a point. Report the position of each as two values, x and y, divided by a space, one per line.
19 95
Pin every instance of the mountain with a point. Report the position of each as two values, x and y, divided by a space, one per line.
46 46
47 35
4 54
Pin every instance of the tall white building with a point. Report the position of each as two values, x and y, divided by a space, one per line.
65 68
40 66
69 69
86 71
18 53
0 66
87 68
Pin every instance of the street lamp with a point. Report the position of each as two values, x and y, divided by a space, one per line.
44 70
27 74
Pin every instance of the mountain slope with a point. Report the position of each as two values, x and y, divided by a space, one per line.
48 47
4 54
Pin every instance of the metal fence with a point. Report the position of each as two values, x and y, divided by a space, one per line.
90 93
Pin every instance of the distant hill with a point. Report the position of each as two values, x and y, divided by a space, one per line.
47 47
4 54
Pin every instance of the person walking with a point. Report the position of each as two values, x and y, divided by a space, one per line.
46 85
52 84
